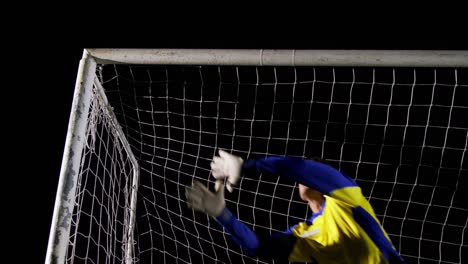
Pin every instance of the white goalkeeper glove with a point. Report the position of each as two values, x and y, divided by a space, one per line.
226 166
201 199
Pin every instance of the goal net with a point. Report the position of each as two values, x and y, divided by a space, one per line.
152 128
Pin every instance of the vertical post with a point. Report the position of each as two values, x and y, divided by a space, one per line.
75 141
129 250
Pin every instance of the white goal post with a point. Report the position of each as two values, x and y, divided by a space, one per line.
97 143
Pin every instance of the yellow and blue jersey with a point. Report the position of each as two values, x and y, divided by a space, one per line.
346 230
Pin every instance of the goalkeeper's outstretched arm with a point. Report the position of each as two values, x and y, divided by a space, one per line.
316 175
277 246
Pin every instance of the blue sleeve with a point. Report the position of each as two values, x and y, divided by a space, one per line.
239 232
277 246
316 175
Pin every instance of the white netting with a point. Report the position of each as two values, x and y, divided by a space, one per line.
101 217
401 133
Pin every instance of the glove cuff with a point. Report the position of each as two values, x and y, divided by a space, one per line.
249 164
225 217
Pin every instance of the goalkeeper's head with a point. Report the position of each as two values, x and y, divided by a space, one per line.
310 195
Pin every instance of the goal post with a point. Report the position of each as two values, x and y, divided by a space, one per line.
352 58
144 123
74 144
87 87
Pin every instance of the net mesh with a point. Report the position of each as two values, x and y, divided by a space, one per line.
400 133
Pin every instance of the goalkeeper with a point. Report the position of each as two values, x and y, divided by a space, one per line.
342 229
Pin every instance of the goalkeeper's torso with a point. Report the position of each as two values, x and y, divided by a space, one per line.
346 231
